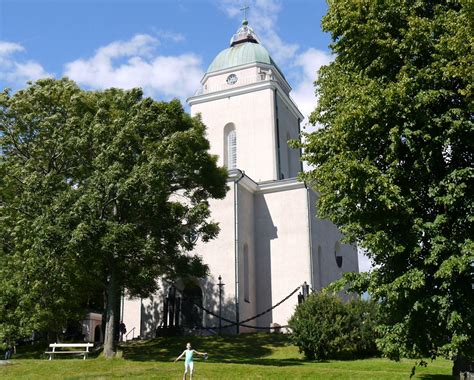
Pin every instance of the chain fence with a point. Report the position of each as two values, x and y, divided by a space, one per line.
243 323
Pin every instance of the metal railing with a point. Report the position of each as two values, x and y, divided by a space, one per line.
132 331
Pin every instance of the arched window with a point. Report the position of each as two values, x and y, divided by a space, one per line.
230 146
246 274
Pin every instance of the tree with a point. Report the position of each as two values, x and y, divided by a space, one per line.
393 163
100 190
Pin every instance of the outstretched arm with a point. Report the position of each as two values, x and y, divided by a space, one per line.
200 353
180 356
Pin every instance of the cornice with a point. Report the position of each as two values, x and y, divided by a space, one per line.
252 87
266 186
229 70
280 185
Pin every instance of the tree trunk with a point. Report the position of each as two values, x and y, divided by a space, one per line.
109 343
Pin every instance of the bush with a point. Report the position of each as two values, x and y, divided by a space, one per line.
324 327
363 319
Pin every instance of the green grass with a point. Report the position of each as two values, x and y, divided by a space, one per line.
247 356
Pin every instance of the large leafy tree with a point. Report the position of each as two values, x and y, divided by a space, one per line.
99 190
393 163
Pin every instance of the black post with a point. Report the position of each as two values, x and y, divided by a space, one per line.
177 312
305 290
165 313
220 285
300 298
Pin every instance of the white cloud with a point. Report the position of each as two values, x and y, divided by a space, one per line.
168 35
14 71
8 48
306 66
132 63
308 63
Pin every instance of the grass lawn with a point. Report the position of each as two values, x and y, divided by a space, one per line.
248 356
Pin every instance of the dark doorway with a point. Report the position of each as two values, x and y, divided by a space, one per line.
191 314
97 332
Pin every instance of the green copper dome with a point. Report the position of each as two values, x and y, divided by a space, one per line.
240 54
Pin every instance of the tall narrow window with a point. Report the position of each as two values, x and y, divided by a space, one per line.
288 155
246 274
320 272
230 146
232 150
337 254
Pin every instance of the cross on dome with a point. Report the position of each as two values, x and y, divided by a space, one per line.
244 9
245 33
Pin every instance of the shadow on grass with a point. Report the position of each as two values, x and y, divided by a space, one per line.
240 349
37 351
31 351
435 377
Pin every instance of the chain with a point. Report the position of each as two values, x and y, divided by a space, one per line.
242 323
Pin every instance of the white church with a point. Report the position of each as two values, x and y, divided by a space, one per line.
270 240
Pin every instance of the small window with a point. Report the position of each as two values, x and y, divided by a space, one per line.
246 274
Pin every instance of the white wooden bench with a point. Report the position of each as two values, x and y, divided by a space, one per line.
54 346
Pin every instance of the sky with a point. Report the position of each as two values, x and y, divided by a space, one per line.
163 46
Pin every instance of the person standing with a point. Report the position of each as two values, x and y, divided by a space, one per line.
188 361
11 349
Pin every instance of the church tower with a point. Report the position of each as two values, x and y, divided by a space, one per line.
245 104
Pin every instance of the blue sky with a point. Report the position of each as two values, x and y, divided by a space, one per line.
163 46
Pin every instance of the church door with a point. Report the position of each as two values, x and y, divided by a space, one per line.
191 314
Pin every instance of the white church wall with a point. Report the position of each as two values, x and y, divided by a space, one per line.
145 315
325 237
132 317
252 115
283 253
246 243
219 255
288 129
151 311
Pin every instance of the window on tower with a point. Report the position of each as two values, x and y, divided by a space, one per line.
230 146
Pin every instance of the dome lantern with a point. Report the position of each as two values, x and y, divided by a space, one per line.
244 34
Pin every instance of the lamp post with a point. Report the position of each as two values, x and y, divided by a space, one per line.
220 285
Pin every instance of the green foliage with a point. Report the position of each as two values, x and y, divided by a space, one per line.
393 163
98 190
324 327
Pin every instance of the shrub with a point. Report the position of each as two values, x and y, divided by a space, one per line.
324 327
363 318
